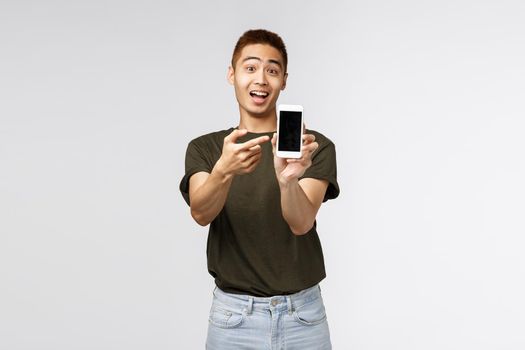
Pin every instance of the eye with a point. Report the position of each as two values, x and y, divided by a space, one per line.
273 71
250 68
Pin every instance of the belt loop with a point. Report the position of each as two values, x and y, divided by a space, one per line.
250 305
289 304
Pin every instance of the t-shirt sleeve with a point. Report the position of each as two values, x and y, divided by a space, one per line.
324 167
195 162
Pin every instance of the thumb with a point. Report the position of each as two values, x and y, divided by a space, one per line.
235 134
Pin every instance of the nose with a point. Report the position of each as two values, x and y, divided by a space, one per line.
260 79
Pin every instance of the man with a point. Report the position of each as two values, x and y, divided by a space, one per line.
263 249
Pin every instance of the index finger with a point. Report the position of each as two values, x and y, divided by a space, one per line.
235 134
254 142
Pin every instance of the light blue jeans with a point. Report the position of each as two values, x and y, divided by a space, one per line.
285 322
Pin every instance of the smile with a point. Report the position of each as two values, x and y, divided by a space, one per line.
262 94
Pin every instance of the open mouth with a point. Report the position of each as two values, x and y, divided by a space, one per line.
259 96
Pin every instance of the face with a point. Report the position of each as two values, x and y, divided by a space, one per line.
258 79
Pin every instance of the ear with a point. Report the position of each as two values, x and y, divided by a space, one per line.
284 81
231 75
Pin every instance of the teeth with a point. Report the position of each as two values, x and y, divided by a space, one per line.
260 93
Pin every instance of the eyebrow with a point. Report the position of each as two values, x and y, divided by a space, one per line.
258 59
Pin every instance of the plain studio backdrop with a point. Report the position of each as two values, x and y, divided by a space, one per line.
423 99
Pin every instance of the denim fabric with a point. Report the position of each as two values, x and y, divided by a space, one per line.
289 322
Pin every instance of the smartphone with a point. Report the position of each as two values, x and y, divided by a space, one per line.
289 131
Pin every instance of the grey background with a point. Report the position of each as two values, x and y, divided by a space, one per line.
424 100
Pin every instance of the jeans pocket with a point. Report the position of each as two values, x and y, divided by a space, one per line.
310 314
225 317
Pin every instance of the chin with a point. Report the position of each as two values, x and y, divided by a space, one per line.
259 112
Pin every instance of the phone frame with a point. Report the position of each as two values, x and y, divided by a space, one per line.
290 108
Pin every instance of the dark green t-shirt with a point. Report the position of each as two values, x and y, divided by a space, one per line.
251 249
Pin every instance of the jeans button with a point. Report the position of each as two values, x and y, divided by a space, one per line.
274 302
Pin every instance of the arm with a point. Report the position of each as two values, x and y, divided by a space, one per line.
300 202
300 199
208 194
208 191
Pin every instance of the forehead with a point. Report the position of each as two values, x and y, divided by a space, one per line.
262 51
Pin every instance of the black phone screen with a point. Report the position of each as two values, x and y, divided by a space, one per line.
290 131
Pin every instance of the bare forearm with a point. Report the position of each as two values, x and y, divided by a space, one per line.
208 200
297 209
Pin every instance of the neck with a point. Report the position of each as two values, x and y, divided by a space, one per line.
258 123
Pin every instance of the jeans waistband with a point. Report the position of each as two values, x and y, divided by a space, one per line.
283 302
